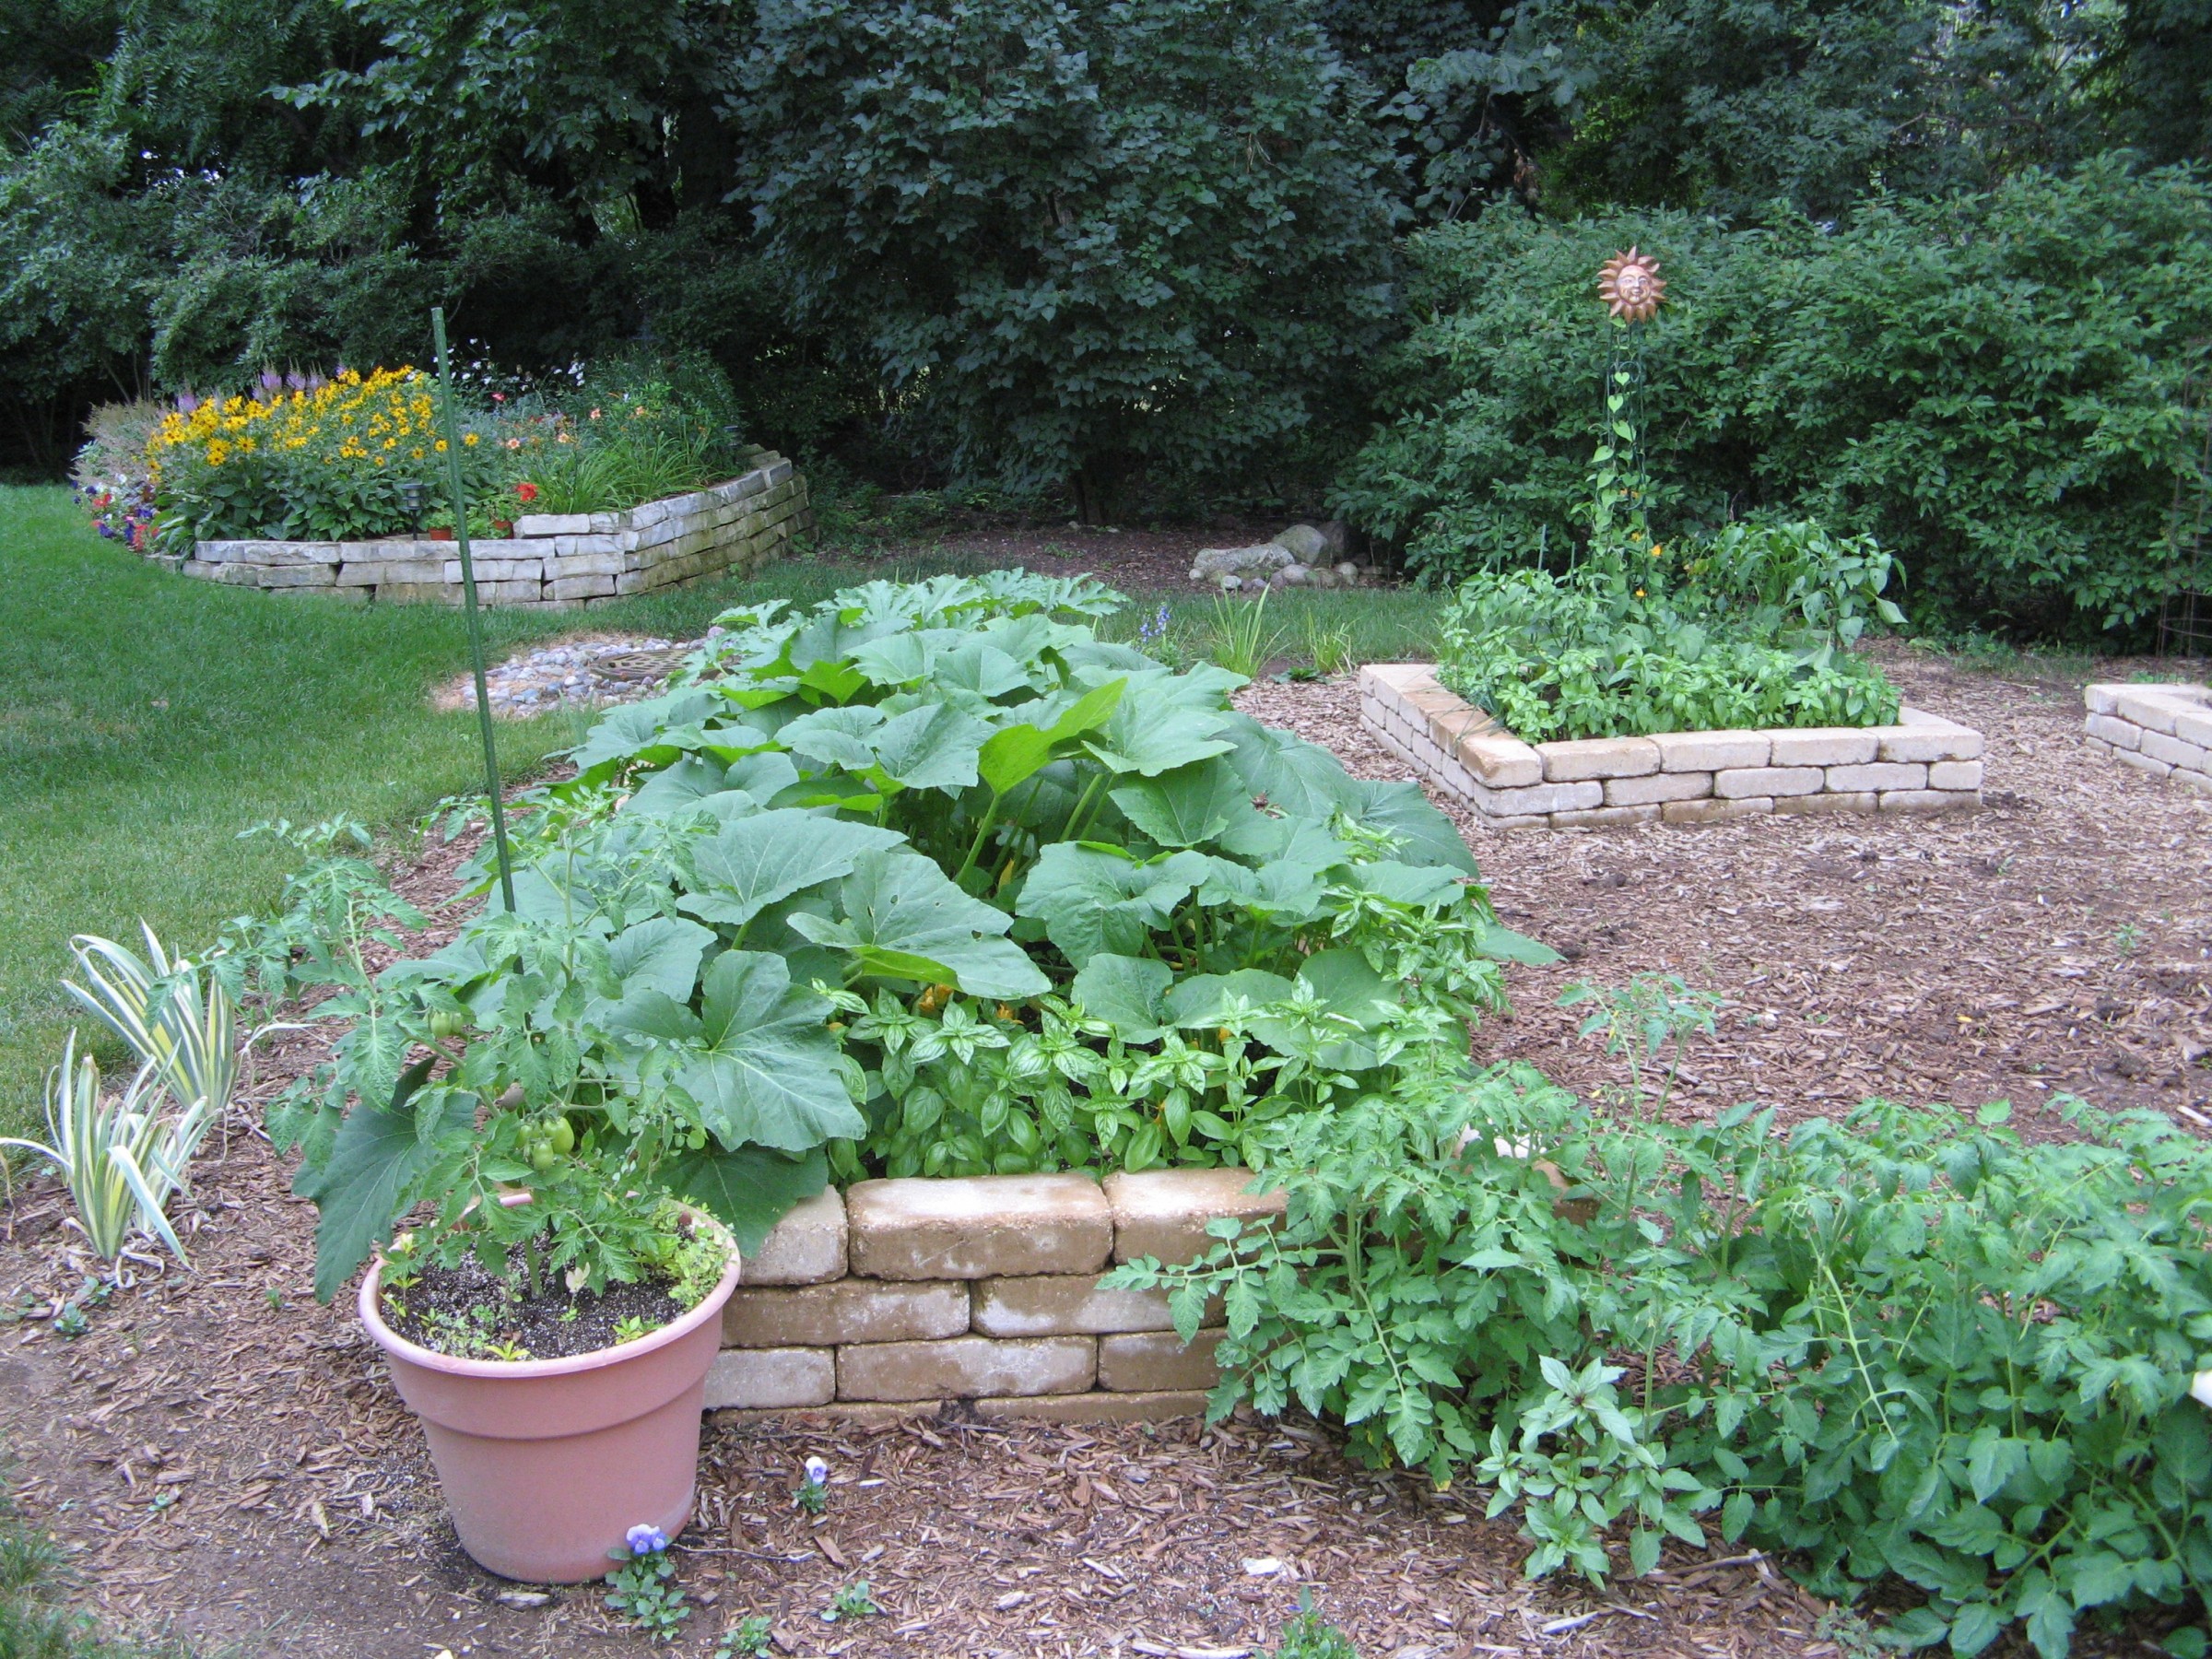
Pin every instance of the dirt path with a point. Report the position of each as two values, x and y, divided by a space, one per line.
226 1459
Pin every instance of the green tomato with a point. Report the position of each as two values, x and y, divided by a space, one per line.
445 1024
562 1134
543 1158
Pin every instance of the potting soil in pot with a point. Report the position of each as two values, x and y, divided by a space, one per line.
446 1307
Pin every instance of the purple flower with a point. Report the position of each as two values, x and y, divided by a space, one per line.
271 379
295 381
186 403
644 1540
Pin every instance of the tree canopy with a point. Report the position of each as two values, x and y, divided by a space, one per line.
1065 247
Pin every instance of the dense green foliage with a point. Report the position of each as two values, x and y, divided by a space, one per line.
929 880
1989 386
1585 657
1731 105
1118 254
1080 239
1897 1344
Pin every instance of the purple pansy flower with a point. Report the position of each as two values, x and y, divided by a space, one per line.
644 1540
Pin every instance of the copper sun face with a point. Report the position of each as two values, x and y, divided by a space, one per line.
1631 286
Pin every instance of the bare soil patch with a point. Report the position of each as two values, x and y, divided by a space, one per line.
225 1458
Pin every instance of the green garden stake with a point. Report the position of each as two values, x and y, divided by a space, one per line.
451 431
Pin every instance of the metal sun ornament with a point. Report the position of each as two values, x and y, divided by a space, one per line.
1631 286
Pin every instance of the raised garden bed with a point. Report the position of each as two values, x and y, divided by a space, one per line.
1922 764
914 1292
551 559
2163 730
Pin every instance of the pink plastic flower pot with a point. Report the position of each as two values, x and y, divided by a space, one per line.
546 1464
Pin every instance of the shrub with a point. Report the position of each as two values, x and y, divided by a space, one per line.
1079 241
928 880
1900 1343
1988 385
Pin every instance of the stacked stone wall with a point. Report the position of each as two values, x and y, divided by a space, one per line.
898 1296
2163 730
551 559
1921 764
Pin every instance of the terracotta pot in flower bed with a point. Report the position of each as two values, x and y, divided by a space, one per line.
547 1463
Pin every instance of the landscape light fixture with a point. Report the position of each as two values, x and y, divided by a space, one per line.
414 496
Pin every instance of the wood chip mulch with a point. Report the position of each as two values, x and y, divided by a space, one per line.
2058 941
225 1459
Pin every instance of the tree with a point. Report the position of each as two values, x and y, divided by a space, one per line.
1080 239
1730 105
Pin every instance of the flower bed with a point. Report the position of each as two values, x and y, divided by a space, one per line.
2163 730
910 1293
550 560
1921 764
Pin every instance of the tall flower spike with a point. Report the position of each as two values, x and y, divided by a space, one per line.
1631 286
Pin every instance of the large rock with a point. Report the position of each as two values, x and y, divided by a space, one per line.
1240 562
1305 544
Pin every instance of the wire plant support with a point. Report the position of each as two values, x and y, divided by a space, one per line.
450 432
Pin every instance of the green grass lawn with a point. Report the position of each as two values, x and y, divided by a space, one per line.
147 719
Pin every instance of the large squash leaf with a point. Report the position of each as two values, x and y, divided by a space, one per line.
1093 898
1125 990
1189 805
904 918
755 861
759 1057
748 1189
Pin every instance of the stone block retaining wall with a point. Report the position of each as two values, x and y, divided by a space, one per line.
1921 764
551 559
2163 730
904 1294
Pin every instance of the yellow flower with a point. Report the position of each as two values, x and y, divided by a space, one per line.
441 446
468 440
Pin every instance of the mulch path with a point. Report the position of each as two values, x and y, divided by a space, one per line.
227 1460
2059 941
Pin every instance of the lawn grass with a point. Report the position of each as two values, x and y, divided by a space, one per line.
146 720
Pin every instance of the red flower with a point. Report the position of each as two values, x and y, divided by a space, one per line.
528 493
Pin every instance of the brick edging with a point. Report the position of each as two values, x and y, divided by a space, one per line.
896 1296
2163 730
551 560
1922 764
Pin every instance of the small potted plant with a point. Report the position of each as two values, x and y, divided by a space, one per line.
551 1311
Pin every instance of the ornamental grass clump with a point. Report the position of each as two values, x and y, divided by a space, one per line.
1749 628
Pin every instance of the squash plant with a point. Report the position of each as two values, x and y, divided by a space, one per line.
929 880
